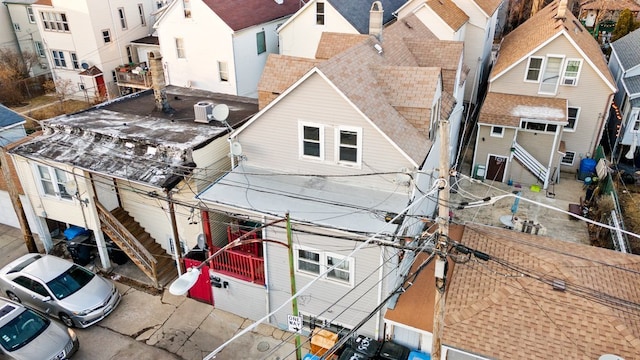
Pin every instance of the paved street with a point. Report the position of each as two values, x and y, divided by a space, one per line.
146 326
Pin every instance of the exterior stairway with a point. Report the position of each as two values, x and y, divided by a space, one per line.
139 246
531 163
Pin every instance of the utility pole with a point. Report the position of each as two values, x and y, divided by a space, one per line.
441 242
292 275
176 237
17 204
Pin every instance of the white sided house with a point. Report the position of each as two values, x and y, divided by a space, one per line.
85 41
25 29
220 46
300 35
547 102
348 147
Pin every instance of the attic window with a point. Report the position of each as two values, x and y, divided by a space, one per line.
319 13
186 4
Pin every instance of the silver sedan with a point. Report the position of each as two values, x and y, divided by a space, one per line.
60 288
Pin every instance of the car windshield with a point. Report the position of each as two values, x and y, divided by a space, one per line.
22 330
70 281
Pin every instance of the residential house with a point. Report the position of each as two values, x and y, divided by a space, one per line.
472 21
547 102
624 64
600 16
347 146
220 46
130 168
7 36
23 19
300 35
11 130
524 297
136 76
86 41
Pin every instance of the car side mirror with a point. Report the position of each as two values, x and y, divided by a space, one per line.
46 299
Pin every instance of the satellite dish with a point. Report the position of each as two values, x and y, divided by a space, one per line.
200 241
236 148
84 64
185 282
220 112
70 187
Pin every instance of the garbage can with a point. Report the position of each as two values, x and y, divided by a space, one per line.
78 244
393 351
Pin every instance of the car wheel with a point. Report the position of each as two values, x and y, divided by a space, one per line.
66 319
13 297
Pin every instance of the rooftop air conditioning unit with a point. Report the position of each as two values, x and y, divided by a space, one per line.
202 109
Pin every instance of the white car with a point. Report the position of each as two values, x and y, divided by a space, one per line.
60 288
27 335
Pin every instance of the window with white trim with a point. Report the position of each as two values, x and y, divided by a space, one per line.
58 59
261 43
497 131
186 4
123 18
39 48
568 158
316 262
180 48
349 145
636 121
74 61
143 21
16 26
52 181
30 15
311 141
319 13
538 126
534 68
223 71
572 117
551 75
571 72
54 21
106 36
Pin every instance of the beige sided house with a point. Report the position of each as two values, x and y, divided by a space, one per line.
548 99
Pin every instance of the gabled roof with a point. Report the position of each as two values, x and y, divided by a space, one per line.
449 12
279 73
331 44
241 14
356 12
627 50
543 27
632 85
489 6
129 139
507 307
9 117
147 40
507 109
610 5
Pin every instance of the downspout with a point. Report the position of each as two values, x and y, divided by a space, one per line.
380 278
551 156
266 267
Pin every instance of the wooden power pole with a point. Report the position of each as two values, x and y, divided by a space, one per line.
29 241
441 242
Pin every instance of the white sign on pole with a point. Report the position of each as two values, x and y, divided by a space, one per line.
295 323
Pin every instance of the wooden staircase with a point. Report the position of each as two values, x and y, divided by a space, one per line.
138 244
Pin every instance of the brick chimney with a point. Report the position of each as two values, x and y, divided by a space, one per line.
157 79
562 10
375 19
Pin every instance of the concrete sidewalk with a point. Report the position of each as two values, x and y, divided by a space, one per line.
167 326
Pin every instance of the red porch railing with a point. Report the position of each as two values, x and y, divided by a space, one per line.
240 265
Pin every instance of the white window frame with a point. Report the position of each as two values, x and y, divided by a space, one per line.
261 35
302 140
573 79
74 61
339 145
59 59
223 71
309 261
635 123
39 48
123 18
324 265
31 15
59 192
54 21
143 21
575 121
320 13
180 51
497 134
558 77
573 159
106 35
186 4
526 73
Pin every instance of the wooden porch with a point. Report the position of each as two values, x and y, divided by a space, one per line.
244 262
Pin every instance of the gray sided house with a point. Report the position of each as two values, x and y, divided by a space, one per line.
624 64
129 169
344 145
547 101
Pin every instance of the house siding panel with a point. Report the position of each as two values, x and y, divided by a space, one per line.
276 147
319 299
237 295
212 162
591 95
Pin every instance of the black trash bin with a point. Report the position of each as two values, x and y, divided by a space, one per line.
115 253
80 249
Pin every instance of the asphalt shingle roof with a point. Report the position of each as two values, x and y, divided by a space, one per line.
241 14
356 12
610 5
9 117
632 83
540 28
331 44
627 48
449 12
489 6
507 109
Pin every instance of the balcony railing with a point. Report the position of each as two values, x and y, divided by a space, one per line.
135 75
240 265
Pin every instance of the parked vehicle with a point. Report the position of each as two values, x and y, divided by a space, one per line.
60 288
27 335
